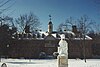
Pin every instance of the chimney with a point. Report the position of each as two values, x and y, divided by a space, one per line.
74 28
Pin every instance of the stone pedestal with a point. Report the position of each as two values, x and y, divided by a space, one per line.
62 61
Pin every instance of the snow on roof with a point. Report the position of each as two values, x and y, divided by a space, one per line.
81 39
54 35
43 33
88 37
70 32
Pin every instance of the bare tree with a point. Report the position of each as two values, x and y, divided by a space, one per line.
67 25
97 28
30 21
6 20
85 24
4 6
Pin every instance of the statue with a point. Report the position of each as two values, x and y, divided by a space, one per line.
63 46
63 52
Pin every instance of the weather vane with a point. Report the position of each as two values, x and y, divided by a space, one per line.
50 17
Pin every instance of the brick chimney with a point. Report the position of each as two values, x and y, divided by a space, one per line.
74 28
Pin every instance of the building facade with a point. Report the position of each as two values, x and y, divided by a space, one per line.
44 44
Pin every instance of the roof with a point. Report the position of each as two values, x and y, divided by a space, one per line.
43 35
50 22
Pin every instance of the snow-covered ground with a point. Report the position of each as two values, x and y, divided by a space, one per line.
49 63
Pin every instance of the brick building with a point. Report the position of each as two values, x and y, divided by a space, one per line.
43 44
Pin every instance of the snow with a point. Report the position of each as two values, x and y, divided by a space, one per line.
88 37
70 32
49 63
81 63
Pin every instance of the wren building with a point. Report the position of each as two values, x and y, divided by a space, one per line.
39 44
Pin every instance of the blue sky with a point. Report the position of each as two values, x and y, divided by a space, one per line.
59 9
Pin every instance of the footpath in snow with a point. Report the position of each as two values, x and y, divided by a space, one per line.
49 63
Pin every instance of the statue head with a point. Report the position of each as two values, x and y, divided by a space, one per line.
62 37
